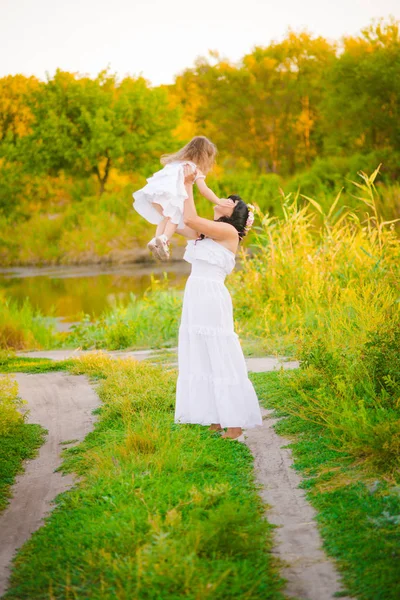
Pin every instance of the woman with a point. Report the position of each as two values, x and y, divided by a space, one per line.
213 387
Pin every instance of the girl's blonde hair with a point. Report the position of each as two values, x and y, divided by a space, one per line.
199 150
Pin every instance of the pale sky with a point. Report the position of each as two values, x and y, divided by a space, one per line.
159 38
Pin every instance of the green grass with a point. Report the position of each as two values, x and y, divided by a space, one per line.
18 440
22 327
20 364
19 444
153 492
358 511
162 511
148 322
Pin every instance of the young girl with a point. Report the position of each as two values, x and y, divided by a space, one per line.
161 201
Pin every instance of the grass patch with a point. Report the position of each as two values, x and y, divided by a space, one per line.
21 364
21 327
19 444
148 322
162 511
358 510
18 440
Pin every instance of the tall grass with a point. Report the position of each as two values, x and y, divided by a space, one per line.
148 322
326 284
308 261
22 328
89 231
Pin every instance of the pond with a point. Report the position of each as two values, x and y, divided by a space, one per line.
68 291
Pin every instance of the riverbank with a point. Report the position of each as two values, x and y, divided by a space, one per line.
69 292
137 255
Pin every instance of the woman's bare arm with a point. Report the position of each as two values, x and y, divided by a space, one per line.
212 229
188 233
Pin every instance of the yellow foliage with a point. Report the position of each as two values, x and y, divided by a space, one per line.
15 114
9 404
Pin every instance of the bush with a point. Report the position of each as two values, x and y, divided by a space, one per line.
328 175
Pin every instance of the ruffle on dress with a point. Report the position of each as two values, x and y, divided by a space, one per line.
213 384
210 251
166 188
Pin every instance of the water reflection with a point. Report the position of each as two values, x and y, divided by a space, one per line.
68 291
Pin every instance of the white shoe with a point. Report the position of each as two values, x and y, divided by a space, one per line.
152 246
162 244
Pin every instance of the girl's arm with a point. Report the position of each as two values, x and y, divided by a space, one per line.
209 194
205 191
212 229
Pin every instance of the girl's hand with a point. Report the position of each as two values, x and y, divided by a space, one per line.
226 202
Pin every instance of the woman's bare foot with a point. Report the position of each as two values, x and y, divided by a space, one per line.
233 433
215 427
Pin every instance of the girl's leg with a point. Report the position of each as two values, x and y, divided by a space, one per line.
161 241
170 229
161 227
164 233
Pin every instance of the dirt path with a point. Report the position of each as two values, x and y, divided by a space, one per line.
63 404
310 574
256 365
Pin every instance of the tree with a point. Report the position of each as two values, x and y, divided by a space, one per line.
15 114
265 108
362 110
16 119
84 126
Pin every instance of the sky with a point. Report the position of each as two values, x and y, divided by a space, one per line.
160 38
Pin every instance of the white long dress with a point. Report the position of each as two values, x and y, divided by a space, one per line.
213 384
166 188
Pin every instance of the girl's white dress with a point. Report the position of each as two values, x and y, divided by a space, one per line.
166 188
213 384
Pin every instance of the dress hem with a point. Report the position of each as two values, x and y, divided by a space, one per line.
207 423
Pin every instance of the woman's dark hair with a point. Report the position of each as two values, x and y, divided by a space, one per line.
238 217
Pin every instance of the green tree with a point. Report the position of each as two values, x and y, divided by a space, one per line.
362 109
264 109
88 126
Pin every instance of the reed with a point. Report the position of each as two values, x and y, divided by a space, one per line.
21 327
326 286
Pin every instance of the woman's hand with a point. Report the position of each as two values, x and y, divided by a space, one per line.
226 202
189 174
